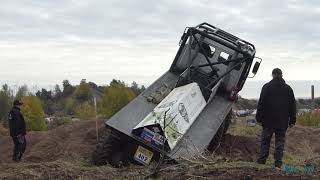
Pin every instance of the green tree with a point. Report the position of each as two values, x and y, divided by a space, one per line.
142 88
68 89
82 92
115 83
69 106
57 91
85 111
114 98
22 91
93 85
44 94
136 89
6 100
33 113
47 100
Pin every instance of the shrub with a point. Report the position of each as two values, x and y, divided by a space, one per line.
33 113
69 104
114 98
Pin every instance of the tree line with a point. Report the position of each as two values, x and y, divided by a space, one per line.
68 101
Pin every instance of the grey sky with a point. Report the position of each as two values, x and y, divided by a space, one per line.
43 42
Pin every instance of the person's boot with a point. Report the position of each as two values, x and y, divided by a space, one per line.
277 166
260 161
15 158
19 157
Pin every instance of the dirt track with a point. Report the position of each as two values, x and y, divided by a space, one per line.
64 153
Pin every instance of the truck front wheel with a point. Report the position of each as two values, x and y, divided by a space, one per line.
109 150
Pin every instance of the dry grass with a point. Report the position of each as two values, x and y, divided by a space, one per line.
81 169
309 119
239 128
63 170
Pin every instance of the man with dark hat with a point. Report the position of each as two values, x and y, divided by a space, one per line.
17 130
276 112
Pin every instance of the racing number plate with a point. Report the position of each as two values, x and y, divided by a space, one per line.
143 155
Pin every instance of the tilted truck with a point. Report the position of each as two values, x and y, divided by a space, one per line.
187 109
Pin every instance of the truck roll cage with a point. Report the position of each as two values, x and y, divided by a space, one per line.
230 41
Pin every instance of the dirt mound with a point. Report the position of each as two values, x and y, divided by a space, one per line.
77 139
239 148
302 140
299 141
6 145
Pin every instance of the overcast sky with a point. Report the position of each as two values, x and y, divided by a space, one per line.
43 42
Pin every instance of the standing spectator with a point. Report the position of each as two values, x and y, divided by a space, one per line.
276 112
17 130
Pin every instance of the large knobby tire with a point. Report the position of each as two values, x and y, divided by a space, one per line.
103 150
219 136
108 150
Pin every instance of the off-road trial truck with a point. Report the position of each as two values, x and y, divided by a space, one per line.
187 109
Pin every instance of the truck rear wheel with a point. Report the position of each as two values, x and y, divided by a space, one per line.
219 136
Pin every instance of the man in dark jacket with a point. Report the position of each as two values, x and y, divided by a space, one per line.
17 130
276 112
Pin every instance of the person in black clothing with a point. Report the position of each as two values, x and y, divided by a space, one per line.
276 112
17 130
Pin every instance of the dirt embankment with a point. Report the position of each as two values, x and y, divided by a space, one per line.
64 153
77 139
303 142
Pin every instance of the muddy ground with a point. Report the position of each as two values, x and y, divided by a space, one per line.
64 153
